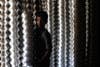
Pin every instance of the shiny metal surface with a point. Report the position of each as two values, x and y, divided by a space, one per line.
17 18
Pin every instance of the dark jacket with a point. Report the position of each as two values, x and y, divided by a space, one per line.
41 47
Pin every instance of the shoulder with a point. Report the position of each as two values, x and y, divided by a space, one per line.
46 33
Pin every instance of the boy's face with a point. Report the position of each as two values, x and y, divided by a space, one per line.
38 21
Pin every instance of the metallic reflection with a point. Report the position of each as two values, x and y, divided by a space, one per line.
17 18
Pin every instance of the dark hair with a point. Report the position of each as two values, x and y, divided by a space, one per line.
43 15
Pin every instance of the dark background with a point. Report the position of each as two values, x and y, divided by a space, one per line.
92 59
94 35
